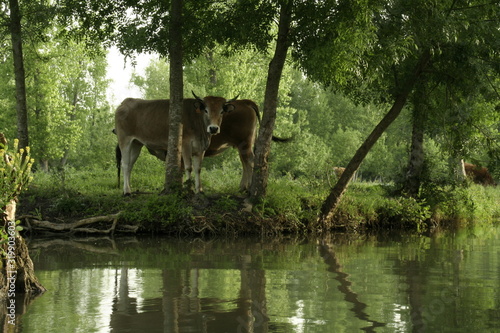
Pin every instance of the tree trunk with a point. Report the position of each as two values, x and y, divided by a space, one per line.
263 144
173 174
17 51
212 71
17 275
338 190
416 161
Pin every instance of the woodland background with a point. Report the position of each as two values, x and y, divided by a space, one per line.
346 64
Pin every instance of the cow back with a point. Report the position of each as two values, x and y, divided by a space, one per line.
147 121
143 120
479 175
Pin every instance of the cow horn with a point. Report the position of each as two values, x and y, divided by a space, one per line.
232 100
197 97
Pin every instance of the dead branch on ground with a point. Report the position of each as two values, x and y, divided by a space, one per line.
91 225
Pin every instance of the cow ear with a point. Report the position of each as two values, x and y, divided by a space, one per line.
228 108
199 106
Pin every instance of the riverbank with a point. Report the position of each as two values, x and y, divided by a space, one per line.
90 202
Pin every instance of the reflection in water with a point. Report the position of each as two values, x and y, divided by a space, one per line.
446 283
328 254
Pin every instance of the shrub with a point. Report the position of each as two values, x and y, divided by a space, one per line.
448 202
405 213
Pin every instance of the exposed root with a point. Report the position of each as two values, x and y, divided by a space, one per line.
91 225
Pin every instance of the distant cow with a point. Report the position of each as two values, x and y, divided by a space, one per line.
478 175
141 123
338 171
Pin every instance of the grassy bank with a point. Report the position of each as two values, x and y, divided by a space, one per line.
291 205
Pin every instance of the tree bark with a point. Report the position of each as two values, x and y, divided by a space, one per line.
333 199
416 161
173 174
20 82
260 175
17 274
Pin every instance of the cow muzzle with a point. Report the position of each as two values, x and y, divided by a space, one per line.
213 129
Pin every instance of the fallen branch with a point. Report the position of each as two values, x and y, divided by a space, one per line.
33 223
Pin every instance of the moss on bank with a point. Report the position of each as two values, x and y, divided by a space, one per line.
291 205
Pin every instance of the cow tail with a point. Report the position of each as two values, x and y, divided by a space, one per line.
277 139
118 154
274 138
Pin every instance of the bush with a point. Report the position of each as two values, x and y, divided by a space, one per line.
448 202
15 171
404 213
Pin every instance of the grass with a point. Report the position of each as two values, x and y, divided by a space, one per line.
291 205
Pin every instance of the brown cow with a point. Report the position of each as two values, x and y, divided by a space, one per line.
141 123
237 130
478 175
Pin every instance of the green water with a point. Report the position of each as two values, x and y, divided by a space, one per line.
449 282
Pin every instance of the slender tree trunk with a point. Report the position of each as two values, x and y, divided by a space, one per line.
416 161
173 174
17 51
263 143
212 71
72 118
338 190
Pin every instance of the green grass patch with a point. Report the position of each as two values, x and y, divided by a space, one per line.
291 204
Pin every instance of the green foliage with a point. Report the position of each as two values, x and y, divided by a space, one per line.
15 172
158 211
226 204
404 213
486 203
363 50
448 202
15 175
294 200
155 83
306 156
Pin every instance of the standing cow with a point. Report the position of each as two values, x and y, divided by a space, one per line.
479 175
141 123
238 130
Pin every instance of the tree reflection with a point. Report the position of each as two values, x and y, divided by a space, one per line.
180 307
328 254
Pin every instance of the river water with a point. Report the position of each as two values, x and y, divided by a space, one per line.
449 282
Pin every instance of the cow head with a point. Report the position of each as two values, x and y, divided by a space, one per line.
213 108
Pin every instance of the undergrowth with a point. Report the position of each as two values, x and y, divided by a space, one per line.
291 205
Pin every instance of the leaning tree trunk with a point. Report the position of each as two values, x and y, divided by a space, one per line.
173 174
333 199
263 144
17 51
416 161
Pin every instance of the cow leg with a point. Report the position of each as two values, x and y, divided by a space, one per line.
197 160
246 157
130 153
187 159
